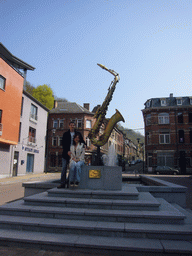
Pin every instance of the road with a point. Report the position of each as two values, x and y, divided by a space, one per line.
183 180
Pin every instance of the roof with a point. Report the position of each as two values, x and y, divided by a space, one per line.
69 107
35 100
16 62
168 102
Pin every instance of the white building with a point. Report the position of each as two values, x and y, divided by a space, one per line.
29 153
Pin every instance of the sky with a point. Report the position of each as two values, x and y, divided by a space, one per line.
147 42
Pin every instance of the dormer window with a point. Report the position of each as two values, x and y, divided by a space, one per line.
163 102
148 103
179 101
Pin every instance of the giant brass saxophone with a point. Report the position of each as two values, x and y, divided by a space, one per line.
97 140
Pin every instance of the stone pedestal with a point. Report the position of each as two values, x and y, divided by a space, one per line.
101 177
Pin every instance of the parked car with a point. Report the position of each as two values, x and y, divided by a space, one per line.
166 170
133 162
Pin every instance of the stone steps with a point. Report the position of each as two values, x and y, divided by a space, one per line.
130 194
97 228
97 221
145 201
166 215
95 244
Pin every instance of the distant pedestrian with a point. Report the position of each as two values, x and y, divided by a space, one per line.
67 141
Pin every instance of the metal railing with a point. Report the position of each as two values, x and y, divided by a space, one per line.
31 140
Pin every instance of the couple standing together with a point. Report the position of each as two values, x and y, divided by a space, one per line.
73 154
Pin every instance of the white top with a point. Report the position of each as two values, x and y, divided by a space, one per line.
78 152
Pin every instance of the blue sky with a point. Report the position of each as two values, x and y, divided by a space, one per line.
148 42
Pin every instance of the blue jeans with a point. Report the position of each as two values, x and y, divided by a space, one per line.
64 171
75 171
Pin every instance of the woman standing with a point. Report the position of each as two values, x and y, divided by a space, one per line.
77 152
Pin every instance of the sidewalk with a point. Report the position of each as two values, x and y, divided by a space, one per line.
30 177
11 188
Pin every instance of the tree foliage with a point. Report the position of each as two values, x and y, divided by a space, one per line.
44 94
132 135
29 88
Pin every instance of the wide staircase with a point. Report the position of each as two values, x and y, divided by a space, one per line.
125 222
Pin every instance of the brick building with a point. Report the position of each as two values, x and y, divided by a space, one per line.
58 123
168 132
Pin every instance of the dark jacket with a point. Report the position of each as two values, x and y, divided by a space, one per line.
66 143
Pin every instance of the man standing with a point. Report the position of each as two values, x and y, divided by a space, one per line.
67 141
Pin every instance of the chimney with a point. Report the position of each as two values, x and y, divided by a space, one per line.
55 104
86 105
171 95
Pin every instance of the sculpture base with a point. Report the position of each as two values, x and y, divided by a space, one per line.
101 177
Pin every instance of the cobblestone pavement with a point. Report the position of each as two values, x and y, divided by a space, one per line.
15 251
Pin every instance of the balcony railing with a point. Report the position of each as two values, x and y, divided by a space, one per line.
1 129
31 141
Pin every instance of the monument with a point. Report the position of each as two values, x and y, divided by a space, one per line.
103 177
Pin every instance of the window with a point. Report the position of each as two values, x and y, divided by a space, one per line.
163 118
2 82
79 123
181 136
59 160
88 142
55 124
190 135
179 101
33 114
190 117
148 138
164 138
148 120
190 101
52 160
61 123
22 102
19 132
32 135
1 125
88 124
54 141
163 102
148 104
1 116
180 118
164 159
60 141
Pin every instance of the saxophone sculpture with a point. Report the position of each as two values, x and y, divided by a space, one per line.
96 140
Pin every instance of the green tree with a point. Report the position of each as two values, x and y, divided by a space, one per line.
29 88
44 94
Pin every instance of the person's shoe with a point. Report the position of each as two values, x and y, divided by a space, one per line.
76 183
72 183
61 186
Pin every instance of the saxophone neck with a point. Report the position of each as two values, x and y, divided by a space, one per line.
114 73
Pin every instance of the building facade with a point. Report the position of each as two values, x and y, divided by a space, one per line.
29 153
12 77
168 133
58 123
